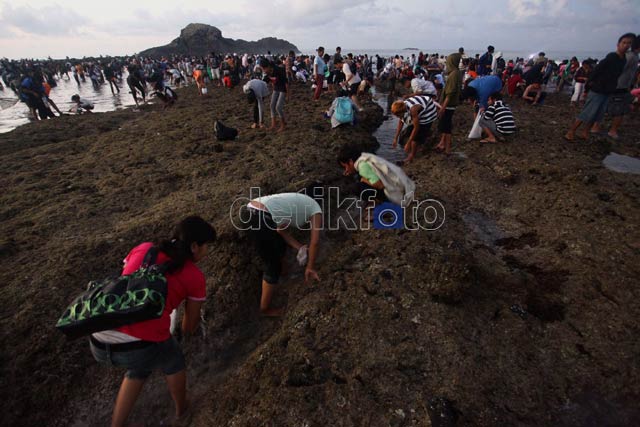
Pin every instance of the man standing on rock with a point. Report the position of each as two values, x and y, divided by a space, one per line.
318 73
620 102
270 216
601 84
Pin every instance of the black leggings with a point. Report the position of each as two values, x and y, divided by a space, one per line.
269 243
136 84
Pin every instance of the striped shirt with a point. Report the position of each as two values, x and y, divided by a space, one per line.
429 112
502 117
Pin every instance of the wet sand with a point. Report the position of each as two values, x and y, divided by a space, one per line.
521 310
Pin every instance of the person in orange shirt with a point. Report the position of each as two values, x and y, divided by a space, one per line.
198 75
47 90
472 71
80 71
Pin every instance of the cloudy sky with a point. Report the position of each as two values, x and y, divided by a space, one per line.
41 28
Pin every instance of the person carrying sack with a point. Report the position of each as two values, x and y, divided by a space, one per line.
148 345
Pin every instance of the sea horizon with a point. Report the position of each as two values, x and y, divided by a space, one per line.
557 55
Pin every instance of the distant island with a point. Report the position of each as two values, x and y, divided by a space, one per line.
201 39
410 48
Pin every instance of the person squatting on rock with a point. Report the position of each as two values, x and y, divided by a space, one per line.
342 110
148 345
380 180
82 105
497 120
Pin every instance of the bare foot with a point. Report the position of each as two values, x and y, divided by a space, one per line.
184 418
280 129
272 312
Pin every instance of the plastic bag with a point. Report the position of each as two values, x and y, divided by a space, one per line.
476 130
302 255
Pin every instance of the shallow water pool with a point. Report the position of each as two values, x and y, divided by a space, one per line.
621 163
14 113
385 133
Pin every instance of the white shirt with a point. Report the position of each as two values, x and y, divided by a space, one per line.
355 78
290 208
423 86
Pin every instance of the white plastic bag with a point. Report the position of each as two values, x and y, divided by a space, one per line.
476 130
174 322
302 255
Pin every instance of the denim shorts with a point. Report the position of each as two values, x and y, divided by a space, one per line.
594 108
166 355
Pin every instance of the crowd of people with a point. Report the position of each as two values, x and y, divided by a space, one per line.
435 86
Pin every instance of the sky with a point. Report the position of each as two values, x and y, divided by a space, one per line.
42 28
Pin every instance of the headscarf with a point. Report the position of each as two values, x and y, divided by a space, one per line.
453 86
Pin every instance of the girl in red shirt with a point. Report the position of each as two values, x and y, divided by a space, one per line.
141 347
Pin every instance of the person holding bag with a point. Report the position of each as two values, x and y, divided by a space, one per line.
148 345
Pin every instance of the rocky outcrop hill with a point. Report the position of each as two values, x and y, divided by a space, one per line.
201 39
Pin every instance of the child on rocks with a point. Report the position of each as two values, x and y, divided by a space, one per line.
497 119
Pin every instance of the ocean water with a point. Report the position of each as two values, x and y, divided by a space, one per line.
14 113
507 54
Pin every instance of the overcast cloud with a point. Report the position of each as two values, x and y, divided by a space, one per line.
40 28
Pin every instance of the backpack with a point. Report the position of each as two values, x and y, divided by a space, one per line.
115 302
344 110
224 133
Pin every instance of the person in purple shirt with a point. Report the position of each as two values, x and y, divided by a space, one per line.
481 88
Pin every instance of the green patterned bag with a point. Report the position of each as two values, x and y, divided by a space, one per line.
114 302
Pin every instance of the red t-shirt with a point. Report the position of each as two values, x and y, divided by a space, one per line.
512 83
187 283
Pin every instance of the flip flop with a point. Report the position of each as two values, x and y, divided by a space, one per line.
487 141
614 137
568 139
